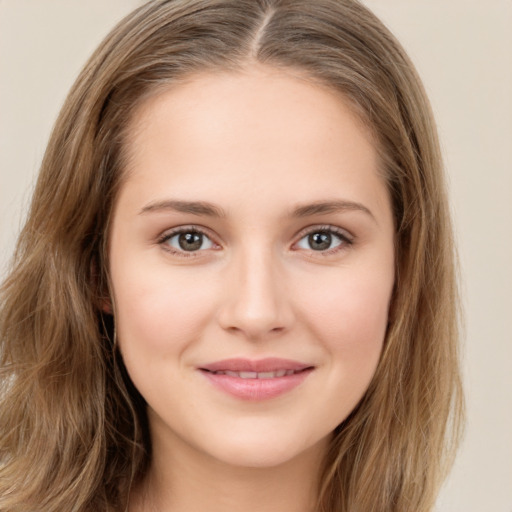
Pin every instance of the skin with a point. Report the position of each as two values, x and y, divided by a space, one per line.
257 144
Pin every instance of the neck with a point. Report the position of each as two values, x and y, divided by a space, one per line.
185 480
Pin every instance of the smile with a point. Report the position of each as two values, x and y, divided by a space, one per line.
256 380
258 375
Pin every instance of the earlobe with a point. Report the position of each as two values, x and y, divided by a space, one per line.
102 300
392 307
105 305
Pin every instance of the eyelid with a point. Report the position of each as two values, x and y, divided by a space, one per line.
169 233
346 237
343 233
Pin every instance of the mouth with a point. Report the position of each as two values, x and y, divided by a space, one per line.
257 375
256 380
250 367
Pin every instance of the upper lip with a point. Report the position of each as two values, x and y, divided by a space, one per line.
270 364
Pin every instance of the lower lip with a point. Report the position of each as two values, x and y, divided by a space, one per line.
256 389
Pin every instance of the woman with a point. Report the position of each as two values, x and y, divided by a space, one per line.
235 287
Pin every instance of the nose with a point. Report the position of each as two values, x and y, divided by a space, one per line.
256 303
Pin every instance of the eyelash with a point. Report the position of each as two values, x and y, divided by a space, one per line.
346 240
180 231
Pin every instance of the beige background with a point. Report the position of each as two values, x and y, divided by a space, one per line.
463 50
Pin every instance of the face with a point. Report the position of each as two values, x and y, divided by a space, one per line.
252 265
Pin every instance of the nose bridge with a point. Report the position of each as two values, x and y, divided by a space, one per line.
256 301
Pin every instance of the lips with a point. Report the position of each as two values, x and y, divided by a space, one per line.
256 375
262 379
270 364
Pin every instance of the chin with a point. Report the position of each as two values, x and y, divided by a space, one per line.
263 451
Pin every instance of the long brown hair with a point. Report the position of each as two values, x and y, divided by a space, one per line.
73 433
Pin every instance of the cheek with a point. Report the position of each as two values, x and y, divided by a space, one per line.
349 315
159 311
348 319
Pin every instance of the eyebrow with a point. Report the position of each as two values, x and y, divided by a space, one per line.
204 208
334 206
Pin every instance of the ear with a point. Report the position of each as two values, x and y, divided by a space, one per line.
102 300
392 306
105 304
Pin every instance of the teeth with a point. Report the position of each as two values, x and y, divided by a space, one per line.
248 375
256 375
266 375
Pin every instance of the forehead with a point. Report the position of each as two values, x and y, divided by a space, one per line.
250 129
259 99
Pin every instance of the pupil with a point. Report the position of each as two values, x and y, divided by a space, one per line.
320 241
190 241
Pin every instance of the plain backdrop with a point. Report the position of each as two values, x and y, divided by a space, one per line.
463 51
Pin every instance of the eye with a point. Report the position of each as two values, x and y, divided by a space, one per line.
187 240
324 240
